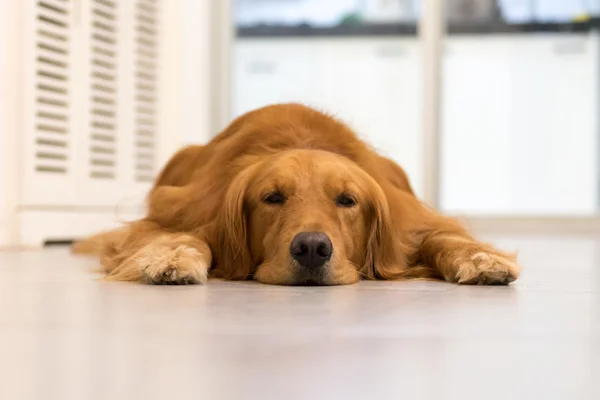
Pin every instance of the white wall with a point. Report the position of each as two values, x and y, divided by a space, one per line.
9 111
195 70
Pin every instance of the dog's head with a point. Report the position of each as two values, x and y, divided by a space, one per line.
304 217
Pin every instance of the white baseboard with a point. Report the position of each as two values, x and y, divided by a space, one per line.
36 227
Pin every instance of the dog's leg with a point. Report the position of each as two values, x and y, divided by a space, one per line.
459 258
146 253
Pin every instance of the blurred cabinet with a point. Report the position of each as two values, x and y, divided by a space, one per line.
520 112
371 84
90 113
276 71
520 125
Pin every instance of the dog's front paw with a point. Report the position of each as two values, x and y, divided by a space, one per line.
487 268
163 265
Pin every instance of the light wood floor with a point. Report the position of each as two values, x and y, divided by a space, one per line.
66 335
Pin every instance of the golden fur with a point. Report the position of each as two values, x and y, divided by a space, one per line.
207 214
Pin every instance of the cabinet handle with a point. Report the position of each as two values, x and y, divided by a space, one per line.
391 52
569 47
261 67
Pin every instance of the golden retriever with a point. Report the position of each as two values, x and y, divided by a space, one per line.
288 195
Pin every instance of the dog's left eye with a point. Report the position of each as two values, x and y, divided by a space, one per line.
345 201
274 198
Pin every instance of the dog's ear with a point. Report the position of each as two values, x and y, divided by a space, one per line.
385 250
232 256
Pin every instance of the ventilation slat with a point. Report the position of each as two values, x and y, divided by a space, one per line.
142 98
51 69
104 88
48 100
51 62
46 20
53 75
147 20
58 3
145 110
48 155
103 100
102 163
53 116
104 27
144 87
48 128
52 88
52 8
53 48
103 122
48 138
103 14
144 155
144 41
102 149
52 169
51 142
103 112
100 50
102 63
104 38
106 3
144 133
145 122
145 54
50 32
104 138
49 58
146 66
52 162
102 175
146 29
103 125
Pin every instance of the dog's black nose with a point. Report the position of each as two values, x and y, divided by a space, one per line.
311 249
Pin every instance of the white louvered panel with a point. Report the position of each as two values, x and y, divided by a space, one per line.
101 63
146 86
121 117
103 87
48 141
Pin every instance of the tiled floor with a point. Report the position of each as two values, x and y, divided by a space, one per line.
66 335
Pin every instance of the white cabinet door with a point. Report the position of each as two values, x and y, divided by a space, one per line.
50 94
555 115
91 120
372 84
519 129
476 133
120 123
275 71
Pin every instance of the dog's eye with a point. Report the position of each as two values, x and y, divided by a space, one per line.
274 198
345 201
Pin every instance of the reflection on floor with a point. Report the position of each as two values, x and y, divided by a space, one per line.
66 335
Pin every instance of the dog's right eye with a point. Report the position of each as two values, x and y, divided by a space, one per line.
274 198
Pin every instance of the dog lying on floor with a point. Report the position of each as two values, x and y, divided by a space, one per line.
288 195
